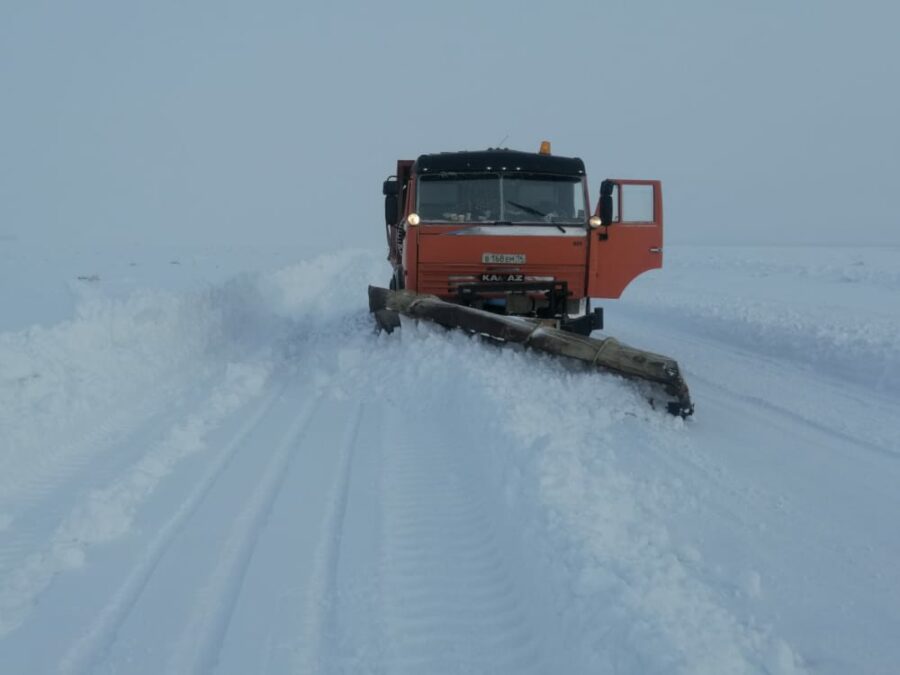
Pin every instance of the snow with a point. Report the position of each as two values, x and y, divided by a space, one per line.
219 465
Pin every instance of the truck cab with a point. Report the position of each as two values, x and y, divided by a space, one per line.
512 232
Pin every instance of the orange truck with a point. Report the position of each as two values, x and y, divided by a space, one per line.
513 233
503 244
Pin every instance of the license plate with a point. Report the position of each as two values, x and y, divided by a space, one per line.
503 258
503 278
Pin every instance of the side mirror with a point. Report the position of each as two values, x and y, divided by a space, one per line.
606 201
391 187
391 210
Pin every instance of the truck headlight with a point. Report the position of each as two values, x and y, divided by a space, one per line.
413 219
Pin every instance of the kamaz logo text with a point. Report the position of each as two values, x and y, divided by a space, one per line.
490 278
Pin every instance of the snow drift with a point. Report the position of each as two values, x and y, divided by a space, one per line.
479 508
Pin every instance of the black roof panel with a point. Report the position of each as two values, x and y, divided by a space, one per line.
498 160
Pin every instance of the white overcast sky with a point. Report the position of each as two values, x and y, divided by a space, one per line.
132 122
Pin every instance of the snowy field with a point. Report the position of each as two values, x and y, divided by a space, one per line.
209 462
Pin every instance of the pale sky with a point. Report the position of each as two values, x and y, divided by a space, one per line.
275 122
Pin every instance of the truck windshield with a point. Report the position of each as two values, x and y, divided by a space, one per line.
510 198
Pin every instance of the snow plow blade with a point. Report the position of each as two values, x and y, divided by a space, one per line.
606 354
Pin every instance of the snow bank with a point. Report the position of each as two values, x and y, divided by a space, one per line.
108 512
69 388
588 533
866 353
87 396
834 310
92 395
63 387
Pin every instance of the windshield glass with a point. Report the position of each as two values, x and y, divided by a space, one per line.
490 197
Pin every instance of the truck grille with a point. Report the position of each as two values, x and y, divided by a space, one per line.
444 282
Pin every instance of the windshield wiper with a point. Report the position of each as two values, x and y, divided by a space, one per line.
534 212
526 209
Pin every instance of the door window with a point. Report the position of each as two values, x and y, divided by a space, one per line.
637 204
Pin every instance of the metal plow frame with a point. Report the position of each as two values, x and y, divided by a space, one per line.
606 354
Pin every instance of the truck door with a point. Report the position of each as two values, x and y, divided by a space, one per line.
629 241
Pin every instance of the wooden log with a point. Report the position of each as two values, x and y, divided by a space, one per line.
606 353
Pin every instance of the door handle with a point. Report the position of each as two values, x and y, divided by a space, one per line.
656 249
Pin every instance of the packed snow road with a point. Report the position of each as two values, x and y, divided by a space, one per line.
248 479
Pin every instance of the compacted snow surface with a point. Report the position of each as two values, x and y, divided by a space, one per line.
205 471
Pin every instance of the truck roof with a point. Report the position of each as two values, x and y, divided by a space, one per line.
498 159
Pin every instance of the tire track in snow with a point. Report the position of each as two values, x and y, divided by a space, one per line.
321 606
85 654
820 400
48 496
205 630
794 417
107 514
450 603
22 491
